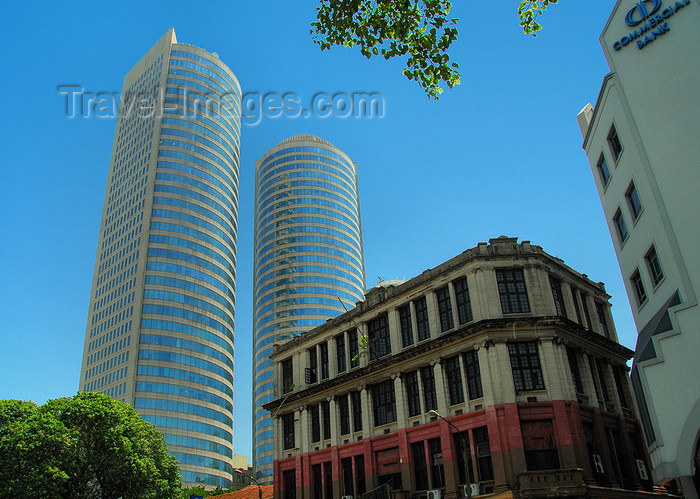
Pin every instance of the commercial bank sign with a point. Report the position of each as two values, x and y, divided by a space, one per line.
648 20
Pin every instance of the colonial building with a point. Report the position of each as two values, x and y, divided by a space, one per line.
483 372
641 139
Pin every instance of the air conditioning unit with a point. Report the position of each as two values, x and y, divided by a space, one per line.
346 497
598 461
642 469
474 488
435 494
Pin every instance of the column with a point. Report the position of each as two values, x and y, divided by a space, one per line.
367 421
304 435
400 397
334 419
442 405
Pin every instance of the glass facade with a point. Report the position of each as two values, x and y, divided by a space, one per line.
308 256
164 282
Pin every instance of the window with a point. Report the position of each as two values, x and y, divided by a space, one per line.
603 383
471 366
525 362
384 402
483 453
360 474
558 296
356 411
638 286
575 371
654 265
621 378
454 380
511 287
328 479
312 371
348 476
324 360
464 303
289 484
406 326
287 376
437 470
344 413
354 348
614 143
600 310
315 424
288 430
421 308
326 414
445 308
539 445
429 396
633 200
340 352
462 449
317 481
603 170
622 232
420 468
379 340
584 302
412 393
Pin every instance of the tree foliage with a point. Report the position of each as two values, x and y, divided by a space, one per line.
529 11
421 29
87 446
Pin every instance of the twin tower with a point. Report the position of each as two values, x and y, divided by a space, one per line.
160 331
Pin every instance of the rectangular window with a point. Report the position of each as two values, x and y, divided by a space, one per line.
622 232
464 461
601 378
384 402
379 339
511 287
483 453
420 468
603 170
471 367
412 393
406 326
445 308
356 411
354 348
453 373
575 371
315 424
654 265
539 445
464 303
602 322
348 476
558 296
621 380
633 201
421 307
437 469
360 474
340 352
525 362
614 143
287 376
317 481
324 360
429 396
328 479
288 430
574 296
326 414
638 286
289 484
312 371
344 413
584 302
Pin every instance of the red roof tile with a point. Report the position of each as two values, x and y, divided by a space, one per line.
250 492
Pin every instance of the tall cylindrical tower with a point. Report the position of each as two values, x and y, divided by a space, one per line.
160 327
308 257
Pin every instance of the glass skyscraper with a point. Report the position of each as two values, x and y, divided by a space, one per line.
309 261
160 323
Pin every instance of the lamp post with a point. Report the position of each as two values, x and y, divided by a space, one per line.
467 488
240 470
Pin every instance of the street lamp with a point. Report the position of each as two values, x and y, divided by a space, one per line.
240 470
467 488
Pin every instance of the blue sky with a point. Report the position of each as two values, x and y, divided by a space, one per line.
499 154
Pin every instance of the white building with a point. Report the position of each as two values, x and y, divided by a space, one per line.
642 141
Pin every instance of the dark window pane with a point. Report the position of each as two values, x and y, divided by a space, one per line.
464 304
525 363
445 308
379 339
340 352
406 326
429 396
558 296
384 402
421 308
412 393
471 366
453 373
511 287
287 376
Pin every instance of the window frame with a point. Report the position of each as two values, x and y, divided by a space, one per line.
473 371
406 324
379 336
603 170
614 143
512 291
526 366
656 272
384 402
623 232
444 303
410 383
420 305
638 287
634 201
287 373
557 295
463 300
453 373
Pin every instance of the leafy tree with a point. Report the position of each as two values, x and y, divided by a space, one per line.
529 11
421 29
83 447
